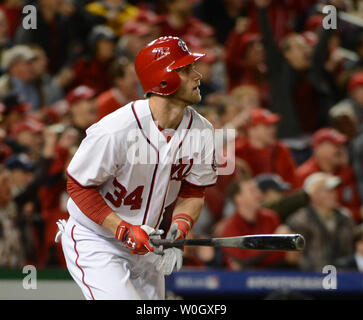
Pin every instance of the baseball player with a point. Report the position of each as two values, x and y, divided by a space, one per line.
140 173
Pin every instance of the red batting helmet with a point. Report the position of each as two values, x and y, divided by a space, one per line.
156 63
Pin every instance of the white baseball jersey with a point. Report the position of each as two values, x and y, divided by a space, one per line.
135 169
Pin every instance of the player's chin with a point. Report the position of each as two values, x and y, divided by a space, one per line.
195 97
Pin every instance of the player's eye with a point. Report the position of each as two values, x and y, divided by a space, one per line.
187 69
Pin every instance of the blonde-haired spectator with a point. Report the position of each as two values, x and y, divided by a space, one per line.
326 226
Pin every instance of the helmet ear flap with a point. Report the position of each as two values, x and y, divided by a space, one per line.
169 84
158 81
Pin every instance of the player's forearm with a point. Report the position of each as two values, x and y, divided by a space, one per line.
190 206
89 201
111 222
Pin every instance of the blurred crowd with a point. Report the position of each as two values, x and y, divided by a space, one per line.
292 90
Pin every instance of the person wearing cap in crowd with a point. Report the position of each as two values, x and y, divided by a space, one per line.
277 195
92 70
21 169
261 150
125 88
20 76
138 32
26 136
330 156
344 119
354 262
326 226
347 114
12 109
83 108
250 218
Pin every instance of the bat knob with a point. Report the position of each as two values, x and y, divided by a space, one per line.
300 242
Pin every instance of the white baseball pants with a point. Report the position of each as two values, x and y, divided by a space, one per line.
105 270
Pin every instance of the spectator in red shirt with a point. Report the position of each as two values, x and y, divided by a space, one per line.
250 218
125 88
329 156
92 71
260 149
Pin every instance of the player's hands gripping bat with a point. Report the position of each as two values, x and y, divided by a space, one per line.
270 242
137 237
173 256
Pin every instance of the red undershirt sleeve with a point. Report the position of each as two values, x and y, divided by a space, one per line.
187 190
89 201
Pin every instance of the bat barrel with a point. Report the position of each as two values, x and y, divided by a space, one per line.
275 242
269 242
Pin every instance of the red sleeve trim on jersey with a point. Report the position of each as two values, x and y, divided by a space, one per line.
189 190
89 201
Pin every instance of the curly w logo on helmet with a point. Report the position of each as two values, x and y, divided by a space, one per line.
160 53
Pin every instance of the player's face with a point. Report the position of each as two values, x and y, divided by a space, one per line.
189 87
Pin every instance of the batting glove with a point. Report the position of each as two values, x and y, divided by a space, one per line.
173 257
137 237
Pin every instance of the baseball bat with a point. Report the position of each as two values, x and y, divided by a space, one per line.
270 242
